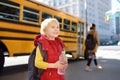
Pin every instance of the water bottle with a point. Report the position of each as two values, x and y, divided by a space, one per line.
62 59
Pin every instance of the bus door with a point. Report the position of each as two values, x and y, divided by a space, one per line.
80 38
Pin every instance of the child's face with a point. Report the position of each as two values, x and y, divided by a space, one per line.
52 30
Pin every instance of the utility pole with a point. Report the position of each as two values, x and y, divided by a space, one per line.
85 4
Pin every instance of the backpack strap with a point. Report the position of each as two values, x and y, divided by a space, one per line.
44 55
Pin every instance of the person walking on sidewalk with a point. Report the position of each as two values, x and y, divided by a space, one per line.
92 52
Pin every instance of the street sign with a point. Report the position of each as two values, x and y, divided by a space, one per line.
111 15
114 15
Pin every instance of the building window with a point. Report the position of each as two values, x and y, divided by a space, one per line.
75 9
67 9
60 2
66 1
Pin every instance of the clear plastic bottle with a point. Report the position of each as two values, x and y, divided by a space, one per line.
62 59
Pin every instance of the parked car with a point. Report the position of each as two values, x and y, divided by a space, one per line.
118 43
109 43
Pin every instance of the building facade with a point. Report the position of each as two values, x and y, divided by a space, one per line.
91 11
114 18
117 25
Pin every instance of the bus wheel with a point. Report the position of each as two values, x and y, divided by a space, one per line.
2 60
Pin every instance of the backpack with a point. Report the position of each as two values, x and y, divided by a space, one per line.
33 72
90 42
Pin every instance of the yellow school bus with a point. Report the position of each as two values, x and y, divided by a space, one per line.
20 22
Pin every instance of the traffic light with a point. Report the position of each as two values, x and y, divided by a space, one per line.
107 18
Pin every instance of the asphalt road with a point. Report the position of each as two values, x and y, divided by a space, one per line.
108 58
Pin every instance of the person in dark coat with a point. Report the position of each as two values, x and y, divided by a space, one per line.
91 53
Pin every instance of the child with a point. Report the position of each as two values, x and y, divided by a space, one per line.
53 46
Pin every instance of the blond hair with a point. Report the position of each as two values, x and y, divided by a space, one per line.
46 23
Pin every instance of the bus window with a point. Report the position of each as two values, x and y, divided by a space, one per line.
9 10
74 26
46 15
30 15
66 25
60 20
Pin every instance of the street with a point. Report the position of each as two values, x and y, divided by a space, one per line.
108 58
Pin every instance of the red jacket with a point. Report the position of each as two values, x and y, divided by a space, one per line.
53 49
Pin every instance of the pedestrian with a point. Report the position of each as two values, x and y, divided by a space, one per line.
53 45
92 53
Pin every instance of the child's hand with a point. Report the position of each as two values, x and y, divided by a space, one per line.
60 65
